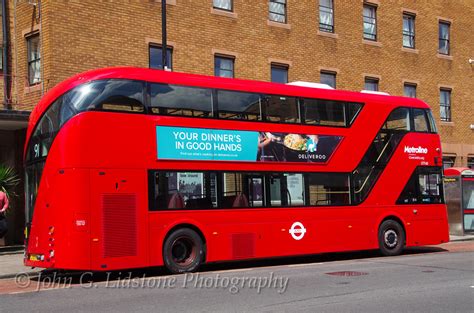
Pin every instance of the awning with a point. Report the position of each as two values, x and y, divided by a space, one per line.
13 120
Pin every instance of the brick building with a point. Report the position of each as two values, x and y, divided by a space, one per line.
414 48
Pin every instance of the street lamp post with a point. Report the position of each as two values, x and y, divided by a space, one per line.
164 46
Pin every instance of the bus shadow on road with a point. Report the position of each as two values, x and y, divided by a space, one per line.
308 259
80 277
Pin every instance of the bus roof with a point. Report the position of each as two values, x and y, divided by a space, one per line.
160 76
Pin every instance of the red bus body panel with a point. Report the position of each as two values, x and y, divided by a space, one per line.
97 154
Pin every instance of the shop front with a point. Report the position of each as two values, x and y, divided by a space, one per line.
13 126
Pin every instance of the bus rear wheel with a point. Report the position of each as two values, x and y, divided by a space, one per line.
183 251
391 238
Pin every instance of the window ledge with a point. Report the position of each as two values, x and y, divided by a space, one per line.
410 50
445 56
372 43
223 13
328 34
451 124
33 88
277 24
170 2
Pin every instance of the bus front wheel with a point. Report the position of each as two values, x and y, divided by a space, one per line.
183 251
391 238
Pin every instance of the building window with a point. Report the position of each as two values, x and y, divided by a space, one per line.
156 57
277 11
408 31
326 16
279 73
224 66
409 90
222 4
328 78
370 22
445 105
448 161
470 162
371 84
443 47
34 59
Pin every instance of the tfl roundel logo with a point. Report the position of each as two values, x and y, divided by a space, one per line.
297 231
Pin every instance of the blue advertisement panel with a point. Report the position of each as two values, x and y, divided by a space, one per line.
180 143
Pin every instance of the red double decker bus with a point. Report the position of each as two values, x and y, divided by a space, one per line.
129 167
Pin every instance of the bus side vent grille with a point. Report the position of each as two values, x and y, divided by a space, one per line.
120 225
243 246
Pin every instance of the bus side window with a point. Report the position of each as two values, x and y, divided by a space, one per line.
409 193
286 189
328 189
118 95
239 105
432 121
430 185
235 194
399 120
324 112
419 120
180 100
281 109
423 187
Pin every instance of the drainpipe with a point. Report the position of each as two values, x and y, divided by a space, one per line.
6 76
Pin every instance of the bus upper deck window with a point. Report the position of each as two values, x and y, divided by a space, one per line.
281 109
432 121
324 112
114 94
399 119
420 121
239 105
178 100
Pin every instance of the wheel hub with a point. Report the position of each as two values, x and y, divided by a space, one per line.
390 238
183 251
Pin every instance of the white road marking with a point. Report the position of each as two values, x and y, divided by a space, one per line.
231 271
304 264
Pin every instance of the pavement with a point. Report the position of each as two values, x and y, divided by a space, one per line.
11 258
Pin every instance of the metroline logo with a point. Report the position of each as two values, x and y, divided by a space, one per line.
418 149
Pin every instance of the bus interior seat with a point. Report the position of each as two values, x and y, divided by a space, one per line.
176 201
240 201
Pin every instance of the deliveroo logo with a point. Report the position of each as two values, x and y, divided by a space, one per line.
312 145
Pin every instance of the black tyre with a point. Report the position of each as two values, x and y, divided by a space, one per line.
391 238
183 251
